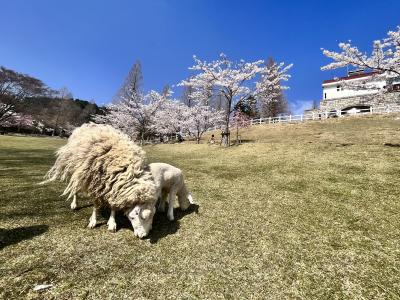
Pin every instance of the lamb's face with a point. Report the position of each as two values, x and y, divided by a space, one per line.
141 217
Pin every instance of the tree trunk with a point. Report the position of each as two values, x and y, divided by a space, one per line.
226 135
226 141
237 135
142 139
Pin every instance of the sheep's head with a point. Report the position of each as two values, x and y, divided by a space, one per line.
141 217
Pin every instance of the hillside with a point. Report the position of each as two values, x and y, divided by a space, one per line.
367 129
311 211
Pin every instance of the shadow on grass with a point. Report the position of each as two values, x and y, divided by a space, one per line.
15 235
85 206
162 227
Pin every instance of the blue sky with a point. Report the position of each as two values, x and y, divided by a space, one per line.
89 46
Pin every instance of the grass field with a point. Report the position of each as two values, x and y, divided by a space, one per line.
308 211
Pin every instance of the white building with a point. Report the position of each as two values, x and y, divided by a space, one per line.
336 89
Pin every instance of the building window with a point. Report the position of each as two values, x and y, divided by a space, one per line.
325 96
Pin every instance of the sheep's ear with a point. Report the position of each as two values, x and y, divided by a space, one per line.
146 213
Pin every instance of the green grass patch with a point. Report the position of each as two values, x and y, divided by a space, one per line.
309 211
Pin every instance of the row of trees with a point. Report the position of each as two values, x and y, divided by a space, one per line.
145 116
237 83
28 105
217 93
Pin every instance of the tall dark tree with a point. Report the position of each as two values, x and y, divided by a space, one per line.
187 96
275 108
277 104
247 107
132 84
166 91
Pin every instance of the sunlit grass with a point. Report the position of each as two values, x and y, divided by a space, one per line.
310 211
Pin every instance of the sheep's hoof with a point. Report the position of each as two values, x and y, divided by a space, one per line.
112 226
73 206
92 224
170 217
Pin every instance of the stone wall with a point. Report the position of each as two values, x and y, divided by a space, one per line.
376 100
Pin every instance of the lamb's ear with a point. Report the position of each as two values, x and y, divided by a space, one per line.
131 213
146 213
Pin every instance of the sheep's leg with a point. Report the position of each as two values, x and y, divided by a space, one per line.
93 218
161 205
190 198
163 200
171 200
184 198
112 225
73 203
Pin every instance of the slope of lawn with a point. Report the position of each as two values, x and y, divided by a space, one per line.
308 211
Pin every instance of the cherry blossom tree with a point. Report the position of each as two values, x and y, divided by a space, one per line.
136 115
384 60
20 121
199 119
7 111
170 118
239 120
233 80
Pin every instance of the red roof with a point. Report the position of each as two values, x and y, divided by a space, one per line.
354 76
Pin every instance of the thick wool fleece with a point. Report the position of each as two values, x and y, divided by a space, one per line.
105 164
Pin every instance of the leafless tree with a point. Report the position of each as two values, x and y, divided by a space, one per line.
132 84
63 110
14 88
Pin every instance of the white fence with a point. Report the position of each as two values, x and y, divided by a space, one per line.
326 115
321 115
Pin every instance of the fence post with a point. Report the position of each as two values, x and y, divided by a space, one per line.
279 120
326 114
313 116
269 120
260 121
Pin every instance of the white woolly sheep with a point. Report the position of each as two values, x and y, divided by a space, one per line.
170 183
110 169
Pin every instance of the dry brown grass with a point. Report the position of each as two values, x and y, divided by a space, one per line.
311 211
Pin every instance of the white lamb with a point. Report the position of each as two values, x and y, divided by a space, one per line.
170 182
